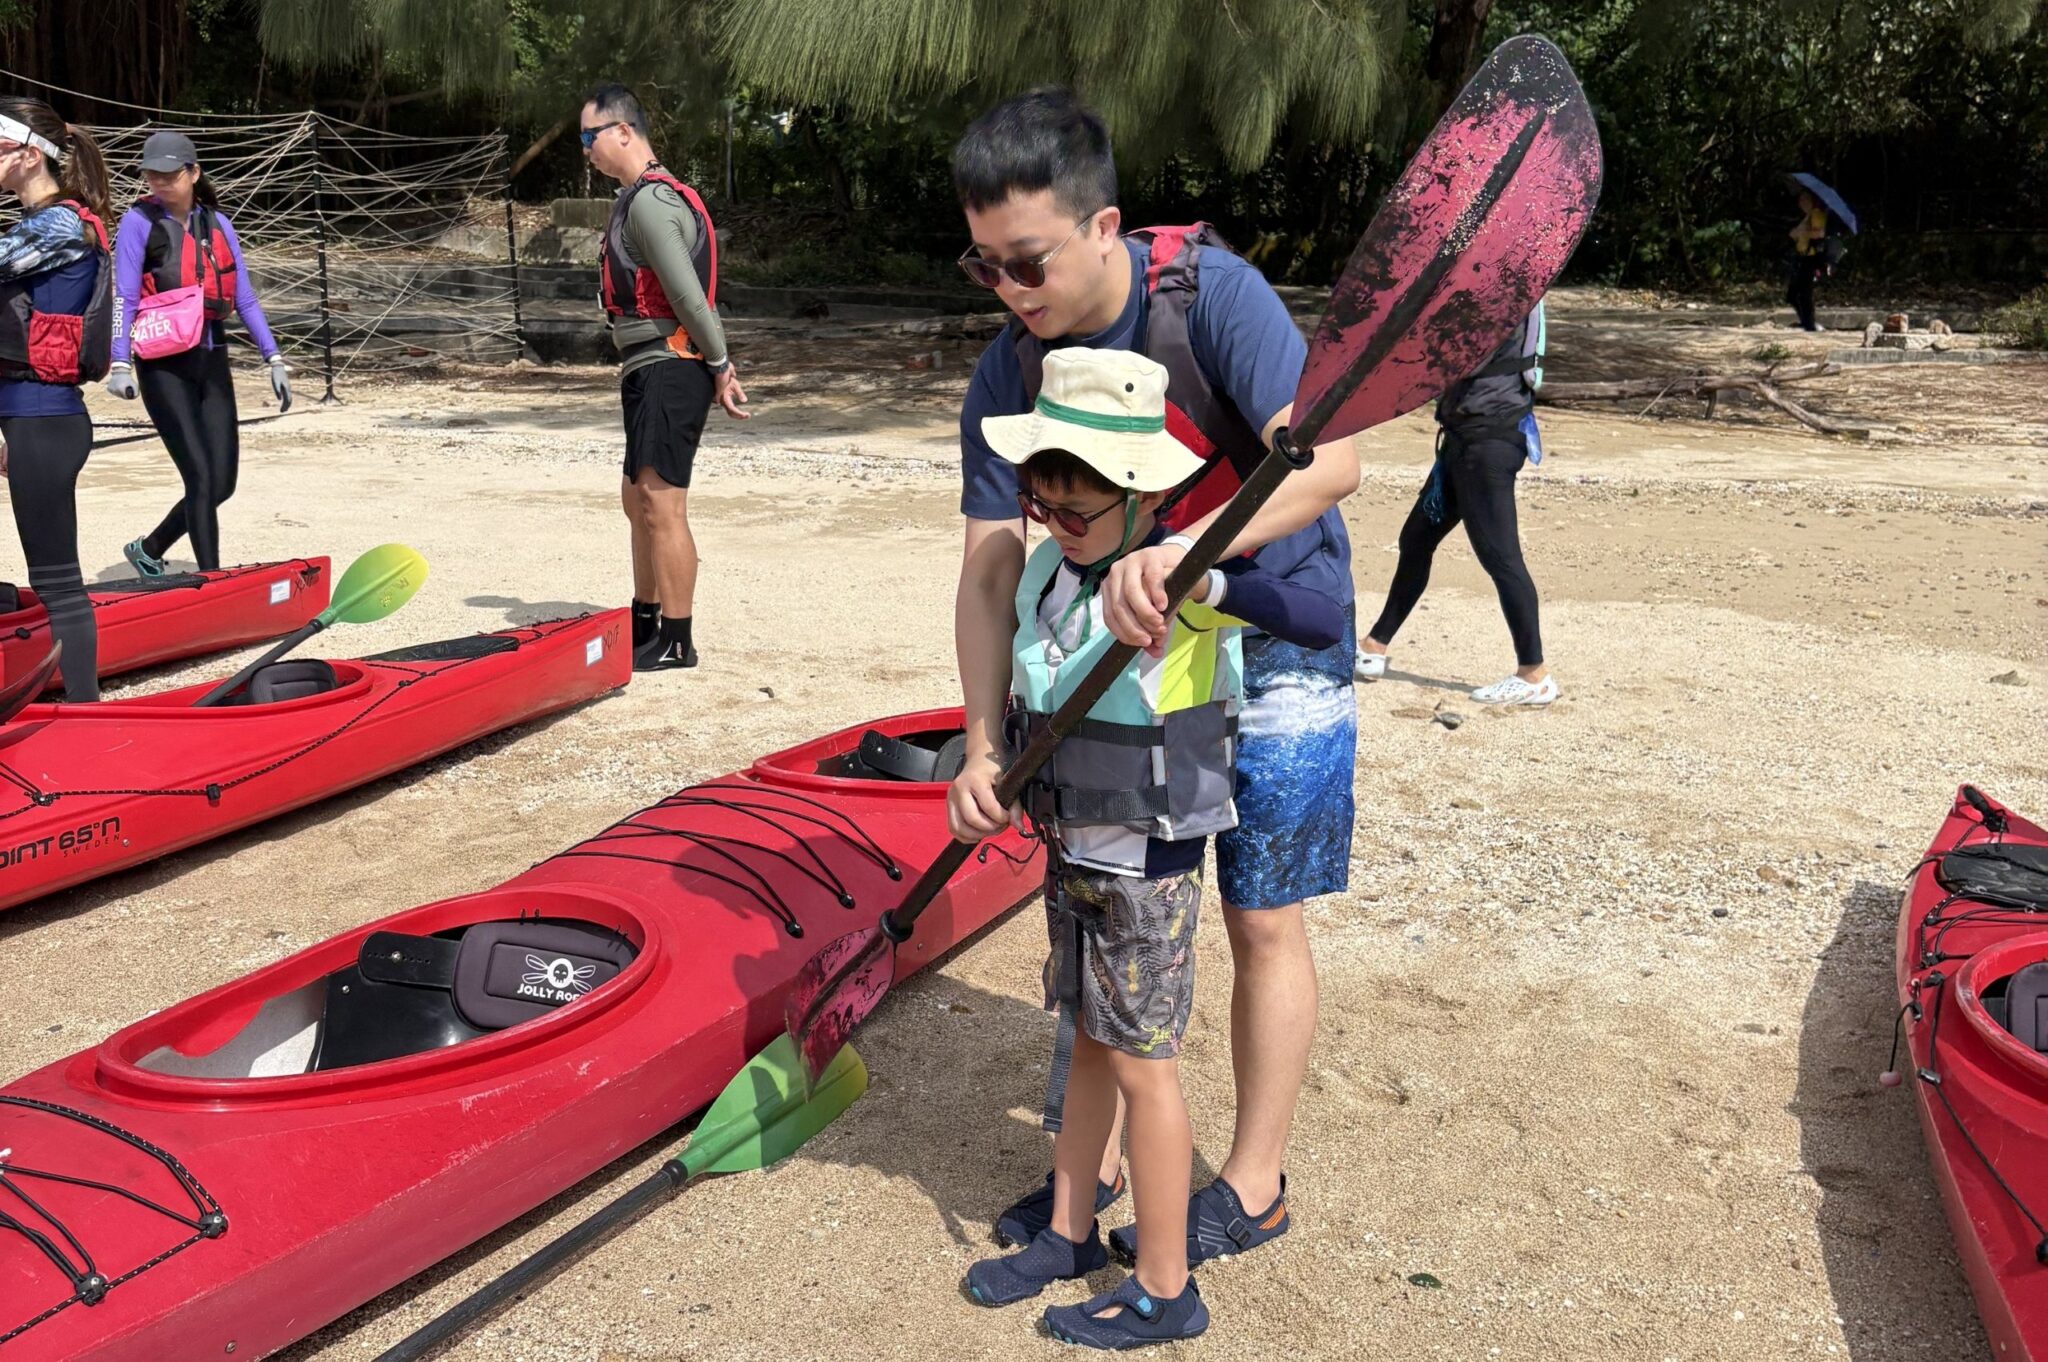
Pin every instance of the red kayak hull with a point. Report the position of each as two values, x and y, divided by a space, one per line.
148 620
87 790
1977 1082
338 1185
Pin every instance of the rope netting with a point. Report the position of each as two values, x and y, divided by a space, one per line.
372 251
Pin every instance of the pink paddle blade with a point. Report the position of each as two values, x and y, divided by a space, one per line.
1464 246
834 993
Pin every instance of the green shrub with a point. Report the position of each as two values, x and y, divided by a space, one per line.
2024 321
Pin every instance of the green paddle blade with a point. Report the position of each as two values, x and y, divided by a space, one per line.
376 585
768 1110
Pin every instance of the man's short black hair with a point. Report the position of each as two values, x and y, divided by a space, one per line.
617 102
1057 470
1042 139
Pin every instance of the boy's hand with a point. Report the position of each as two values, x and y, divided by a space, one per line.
973 814
1134 596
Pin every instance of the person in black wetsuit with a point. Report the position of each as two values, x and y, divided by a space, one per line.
56 322
1486 431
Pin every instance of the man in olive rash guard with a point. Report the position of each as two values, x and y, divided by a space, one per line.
658 279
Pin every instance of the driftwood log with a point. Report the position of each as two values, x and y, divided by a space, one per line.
1707 388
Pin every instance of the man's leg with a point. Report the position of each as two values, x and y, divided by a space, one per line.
1297 746
644 589
1272 1022
671 549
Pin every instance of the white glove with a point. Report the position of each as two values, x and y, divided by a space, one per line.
121 383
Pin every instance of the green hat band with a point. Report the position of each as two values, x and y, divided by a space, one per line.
1123 425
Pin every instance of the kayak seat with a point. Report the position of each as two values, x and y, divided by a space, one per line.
2026 1007
917 757
406 995
293 680
2015 872
10 598
143 586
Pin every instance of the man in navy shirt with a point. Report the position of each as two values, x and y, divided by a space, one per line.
1037 181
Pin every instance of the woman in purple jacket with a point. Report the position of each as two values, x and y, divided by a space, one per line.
177 238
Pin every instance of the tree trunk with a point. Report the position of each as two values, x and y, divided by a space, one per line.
1454 38
539 145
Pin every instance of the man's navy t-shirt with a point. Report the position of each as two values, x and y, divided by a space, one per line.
1244 343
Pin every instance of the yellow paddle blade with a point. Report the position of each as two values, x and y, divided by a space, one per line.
376 585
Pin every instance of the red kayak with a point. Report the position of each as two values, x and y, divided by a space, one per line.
86 790
147 620
1973 980
232 1173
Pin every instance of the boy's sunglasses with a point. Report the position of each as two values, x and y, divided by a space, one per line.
590 135
1024 273
1073 522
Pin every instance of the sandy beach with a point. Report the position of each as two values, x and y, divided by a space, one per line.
1601 1013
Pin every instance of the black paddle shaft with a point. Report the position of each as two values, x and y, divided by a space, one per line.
1285 457
659 1186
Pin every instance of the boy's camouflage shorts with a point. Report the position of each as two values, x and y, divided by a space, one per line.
1130 945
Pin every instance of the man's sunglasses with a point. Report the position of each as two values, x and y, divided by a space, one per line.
1073 522
1024 273
590 135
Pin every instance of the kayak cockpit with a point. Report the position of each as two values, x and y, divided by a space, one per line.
2003 986
406 995
923 749
444 987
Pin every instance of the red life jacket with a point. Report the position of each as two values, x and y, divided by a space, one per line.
1197 415
60 347
634 291
174 259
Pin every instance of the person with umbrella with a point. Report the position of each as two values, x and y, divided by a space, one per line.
1816 250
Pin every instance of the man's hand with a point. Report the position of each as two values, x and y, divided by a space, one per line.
725 387
1134 596
973 814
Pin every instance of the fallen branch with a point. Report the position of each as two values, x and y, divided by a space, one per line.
1706 388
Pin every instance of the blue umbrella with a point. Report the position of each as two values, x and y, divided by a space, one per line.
1829 199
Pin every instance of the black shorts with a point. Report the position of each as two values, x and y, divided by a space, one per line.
665 404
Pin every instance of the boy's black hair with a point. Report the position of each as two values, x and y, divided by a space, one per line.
615 101
1057 470
1042 139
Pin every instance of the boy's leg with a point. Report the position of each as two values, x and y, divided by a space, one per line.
1086 1117
1162 1159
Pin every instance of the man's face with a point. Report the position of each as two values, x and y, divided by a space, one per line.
608 155
1028 226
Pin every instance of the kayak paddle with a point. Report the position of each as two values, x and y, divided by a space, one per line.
19 692
1460 252
374 586
765 1114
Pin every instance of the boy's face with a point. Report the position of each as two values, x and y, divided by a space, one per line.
1104 512
1030 226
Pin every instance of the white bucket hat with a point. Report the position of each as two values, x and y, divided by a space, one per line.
1108 409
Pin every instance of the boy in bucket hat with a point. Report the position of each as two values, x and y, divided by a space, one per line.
1125 807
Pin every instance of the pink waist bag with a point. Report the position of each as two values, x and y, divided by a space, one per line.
169 323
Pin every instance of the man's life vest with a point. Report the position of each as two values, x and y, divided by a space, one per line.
634 291
1197 415
60 347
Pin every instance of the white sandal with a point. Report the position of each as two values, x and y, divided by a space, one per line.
1515 691
1369 666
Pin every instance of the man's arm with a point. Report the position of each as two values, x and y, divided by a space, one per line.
984 624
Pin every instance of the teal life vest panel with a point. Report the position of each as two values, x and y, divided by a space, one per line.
1157 753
